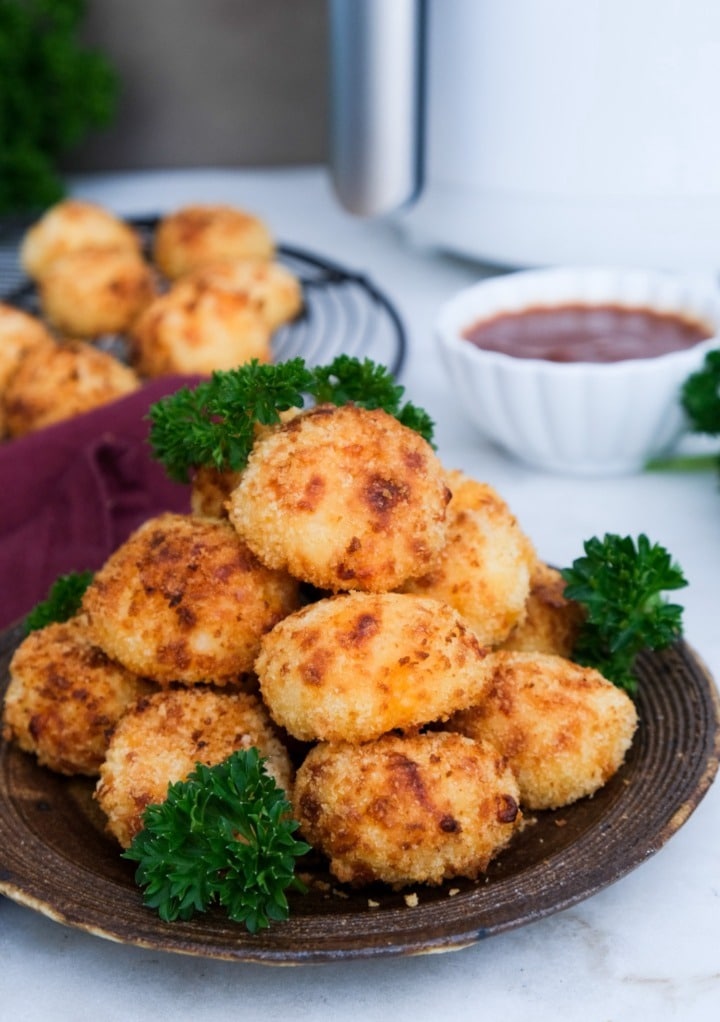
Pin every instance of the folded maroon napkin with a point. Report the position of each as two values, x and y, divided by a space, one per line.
71 493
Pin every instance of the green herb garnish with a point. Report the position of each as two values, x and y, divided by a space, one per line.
62 602
700 396
224 835
620 585
53 91
214 423
700 400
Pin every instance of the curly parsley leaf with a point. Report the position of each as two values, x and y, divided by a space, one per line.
223 836
368 385
53 92
214 424
700 396
365 383
620 584
62 602
700 400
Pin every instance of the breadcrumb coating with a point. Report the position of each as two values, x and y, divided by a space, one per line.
407 809
65 696
182 727
552 622
58 381
197 330
564 729
273 291
351 667
483 571
210 490
71 225
183 599
211 487
343 498
92 291
203 233
19 333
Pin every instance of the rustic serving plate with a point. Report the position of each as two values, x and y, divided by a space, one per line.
56 859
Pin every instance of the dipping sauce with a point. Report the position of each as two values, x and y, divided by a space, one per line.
587 333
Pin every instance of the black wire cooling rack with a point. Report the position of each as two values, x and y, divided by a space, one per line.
343 313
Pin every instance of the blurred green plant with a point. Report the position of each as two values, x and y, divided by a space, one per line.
53 93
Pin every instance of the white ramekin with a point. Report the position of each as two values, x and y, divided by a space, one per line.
576 417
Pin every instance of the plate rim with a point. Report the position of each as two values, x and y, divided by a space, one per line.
438 926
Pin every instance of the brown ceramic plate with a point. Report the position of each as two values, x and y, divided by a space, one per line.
55 858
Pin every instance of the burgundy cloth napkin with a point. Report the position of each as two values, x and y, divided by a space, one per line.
71 493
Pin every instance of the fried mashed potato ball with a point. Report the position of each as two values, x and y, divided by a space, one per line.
184 599
20 332
564 729
96 291
58 381
181 727
484 569
71 225
210 490
343 498
204 233
353 666
210 487
552 622
403 810
65 697
271 288
197 330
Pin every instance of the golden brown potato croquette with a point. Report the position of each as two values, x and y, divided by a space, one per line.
203 233
59 381
483 570
343 498
19 333
65 697
552 622
211 489
350 667
162 738
273 291
183 599
71 225
563 729
197 330
91 292
404 810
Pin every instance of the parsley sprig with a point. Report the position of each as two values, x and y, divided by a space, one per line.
700 396
62 601
700 400
214 423
54 92
621 584
224 835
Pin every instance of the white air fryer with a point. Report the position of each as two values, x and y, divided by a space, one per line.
531 132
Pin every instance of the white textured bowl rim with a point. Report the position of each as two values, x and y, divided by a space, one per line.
696 297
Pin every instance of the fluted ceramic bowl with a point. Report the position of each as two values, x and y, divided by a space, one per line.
575 417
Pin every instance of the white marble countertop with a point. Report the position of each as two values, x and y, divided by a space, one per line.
648 947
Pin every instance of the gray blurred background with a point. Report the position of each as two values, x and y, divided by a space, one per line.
223 83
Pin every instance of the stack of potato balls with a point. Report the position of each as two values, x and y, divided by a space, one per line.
377 625
209 295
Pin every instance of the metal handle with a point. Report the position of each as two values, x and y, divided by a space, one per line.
375 103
